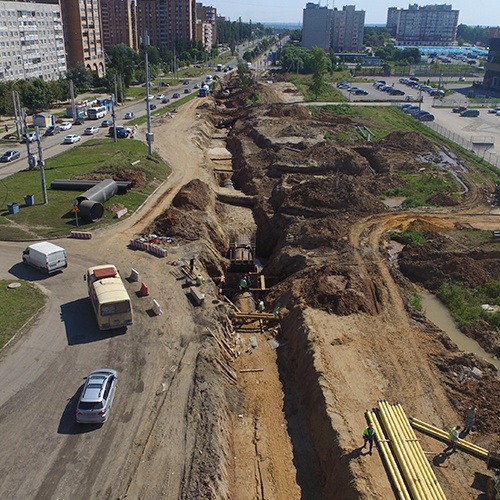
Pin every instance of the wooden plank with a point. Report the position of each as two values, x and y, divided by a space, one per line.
252 370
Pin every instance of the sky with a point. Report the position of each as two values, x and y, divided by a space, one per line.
482 13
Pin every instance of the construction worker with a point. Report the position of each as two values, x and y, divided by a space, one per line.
453 436
199 280
470 419
191 264
369 436
243 284
261 306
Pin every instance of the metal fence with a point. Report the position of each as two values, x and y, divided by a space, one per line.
477 145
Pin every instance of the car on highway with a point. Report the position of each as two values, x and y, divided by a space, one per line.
128 115
96 400
149 98
79 121
53 130
106 123
187 91
152 106
196 86
121 132
459 109
71 139
185 82
91 130
165 100
176 95
30 137
65 125
470 112
160 97
10 156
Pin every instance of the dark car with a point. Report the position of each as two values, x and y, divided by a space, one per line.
152 106
79 121
187 91
165 100
10 156
185 82
53 130
360 92
107 123
164 84
427 117
176 95
459 109
121 132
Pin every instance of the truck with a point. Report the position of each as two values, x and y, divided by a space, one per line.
204 91
46 257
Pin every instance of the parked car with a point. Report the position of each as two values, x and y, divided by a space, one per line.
470 112
46 257
65 125
121 132
405 105
71 139
129 115
176 95
91 130
459 109
409 98
494 110
106 123
10 156
53 130
411 109
360 92
427 117
394 91
96 399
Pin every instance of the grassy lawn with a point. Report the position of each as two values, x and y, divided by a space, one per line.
99 156
17 306
330 93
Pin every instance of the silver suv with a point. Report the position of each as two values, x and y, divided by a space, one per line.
97 396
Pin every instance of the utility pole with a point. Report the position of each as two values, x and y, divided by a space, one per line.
16 113
72 93
149 135
31 158
113 114
41 164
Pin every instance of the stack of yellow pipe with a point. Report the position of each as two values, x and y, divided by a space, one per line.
414 468
443 436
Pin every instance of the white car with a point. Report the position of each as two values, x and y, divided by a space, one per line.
149 98
91 130
128 115
494 110
65 125
71 139
160 97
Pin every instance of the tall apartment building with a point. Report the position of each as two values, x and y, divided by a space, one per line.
31 40
83 34
168 23
492 65
316 26
429 25
348 29
206 27
119 23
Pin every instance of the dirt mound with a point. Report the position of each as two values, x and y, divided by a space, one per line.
196 195
291 112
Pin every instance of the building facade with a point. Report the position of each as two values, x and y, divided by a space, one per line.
119 23
348 29
206 26
492 66
429 25
316 26
83 34
167 23
31 40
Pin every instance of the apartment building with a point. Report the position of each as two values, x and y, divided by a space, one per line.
206 27
31 40
119 23
167 23
83 34
492 65
316 26
347 29
429 25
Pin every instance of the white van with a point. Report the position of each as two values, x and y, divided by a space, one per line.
46 257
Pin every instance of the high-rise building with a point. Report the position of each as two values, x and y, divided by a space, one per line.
206 27
167 23
429 25
348 29
119 23
31 40
492 65
316 26
83 34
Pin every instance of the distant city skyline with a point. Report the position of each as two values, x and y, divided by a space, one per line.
279 11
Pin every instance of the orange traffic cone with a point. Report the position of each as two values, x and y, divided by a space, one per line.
144 289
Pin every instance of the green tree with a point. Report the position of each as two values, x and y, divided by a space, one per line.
36 95
81 76
319 62
244 74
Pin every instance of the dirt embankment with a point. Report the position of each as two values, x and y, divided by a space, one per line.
351 334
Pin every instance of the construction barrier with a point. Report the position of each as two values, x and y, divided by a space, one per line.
81 235
156 307
134 275
157 250
141 245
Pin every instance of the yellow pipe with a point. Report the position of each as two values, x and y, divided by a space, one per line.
411 478
395 474
442 435
427 491
419 455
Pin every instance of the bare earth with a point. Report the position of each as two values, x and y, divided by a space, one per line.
188 422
